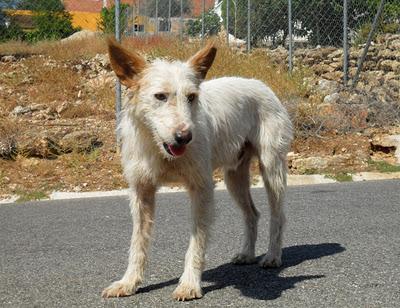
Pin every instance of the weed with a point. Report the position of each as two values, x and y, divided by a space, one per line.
310 171
383 166
25 196
340 177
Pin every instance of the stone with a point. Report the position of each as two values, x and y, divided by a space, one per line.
37 144
79 141
21 110
388 143
332 98
80 35
327 86
390 65
8 59
8 147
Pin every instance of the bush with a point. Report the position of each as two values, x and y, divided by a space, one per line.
11 33
212 25
51 26
107 19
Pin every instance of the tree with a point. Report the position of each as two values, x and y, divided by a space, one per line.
321 21
106 23
51 20
41 5
212 25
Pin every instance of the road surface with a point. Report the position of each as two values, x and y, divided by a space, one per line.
342 249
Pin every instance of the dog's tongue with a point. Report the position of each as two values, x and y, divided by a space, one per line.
176 150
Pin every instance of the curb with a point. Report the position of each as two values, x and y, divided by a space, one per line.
293 180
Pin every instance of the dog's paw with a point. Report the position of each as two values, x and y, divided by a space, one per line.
270 261
119 289
241 258
184 292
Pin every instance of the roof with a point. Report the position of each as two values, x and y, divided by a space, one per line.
93 6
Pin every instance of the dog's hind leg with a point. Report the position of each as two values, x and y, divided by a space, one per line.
273 169
238 184
142 210
202 205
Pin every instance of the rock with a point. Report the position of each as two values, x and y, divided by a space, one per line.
80 35
8 59
8 147
79 141
309 164
390 65
332 98
327 86
21 110
322 68
34 144
329 163
387 144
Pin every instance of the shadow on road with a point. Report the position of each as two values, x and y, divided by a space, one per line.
258 283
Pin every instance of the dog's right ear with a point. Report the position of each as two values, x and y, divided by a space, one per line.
126 64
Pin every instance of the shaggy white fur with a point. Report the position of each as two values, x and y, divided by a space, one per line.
229 121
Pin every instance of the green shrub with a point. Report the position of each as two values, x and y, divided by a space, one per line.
363 32
106 23
11 33
212 25
51 26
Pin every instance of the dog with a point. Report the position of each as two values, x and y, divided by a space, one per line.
178 127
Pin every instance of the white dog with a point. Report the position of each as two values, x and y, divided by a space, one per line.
178 127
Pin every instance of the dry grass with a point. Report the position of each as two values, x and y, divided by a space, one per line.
78 49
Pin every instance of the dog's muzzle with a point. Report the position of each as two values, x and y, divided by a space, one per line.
182 138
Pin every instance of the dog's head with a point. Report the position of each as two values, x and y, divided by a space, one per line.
166 93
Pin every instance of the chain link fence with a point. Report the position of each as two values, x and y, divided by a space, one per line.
335 37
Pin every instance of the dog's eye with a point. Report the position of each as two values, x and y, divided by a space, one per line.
191 97
161 97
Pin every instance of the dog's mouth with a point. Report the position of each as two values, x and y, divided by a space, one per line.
174 149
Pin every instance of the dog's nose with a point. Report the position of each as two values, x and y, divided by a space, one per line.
183 137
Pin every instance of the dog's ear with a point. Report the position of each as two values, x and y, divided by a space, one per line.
126 64
203 59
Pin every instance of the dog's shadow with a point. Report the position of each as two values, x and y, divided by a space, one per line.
258 283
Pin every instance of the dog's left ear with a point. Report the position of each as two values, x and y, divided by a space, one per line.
126 64
203 59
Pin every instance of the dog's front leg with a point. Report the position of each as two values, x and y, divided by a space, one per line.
142 210
202 205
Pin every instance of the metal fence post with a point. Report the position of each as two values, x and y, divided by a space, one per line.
181 23
169 16
371 33
117 83
203 5
248 25
290 56
156 16
227 22
345 44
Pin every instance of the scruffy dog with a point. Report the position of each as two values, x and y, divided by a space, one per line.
178 127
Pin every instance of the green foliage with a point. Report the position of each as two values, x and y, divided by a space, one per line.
340 177
320 20
26 196
11 33
41 5
212 25
383 166
51 26
106 23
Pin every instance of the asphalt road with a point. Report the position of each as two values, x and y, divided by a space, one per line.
342 249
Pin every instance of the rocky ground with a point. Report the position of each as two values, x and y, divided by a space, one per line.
60 135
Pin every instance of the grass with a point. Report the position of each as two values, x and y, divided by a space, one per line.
25 196
383 166
340 177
